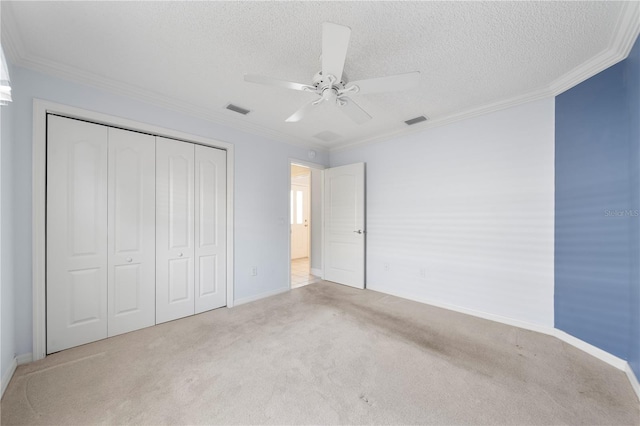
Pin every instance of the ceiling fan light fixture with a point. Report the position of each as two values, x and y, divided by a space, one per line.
236 108
416 120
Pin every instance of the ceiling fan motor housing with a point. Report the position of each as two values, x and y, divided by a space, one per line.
322 82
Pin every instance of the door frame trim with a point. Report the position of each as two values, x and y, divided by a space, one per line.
321 168
39 191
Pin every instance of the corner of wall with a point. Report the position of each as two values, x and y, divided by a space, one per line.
633 380
8 375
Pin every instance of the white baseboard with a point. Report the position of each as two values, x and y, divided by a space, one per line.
24 358
8 375
316 272
249 299
480 314
633 380
605 356
602 355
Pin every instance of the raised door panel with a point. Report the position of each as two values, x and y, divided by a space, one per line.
210 228
344 225
174 229
76 237
131 231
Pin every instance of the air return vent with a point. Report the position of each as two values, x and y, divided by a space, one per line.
236 108
416 120
327 136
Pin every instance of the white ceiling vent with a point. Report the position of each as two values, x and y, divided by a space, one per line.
416 120
236 108
326 136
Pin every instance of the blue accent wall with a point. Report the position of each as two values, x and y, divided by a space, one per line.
632 84
597 231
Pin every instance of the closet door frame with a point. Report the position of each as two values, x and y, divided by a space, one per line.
41 109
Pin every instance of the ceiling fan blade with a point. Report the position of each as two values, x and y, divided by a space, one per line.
353 110
300 114
389 83
270 81
335 41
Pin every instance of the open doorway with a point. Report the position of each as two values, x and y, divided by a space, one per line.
303 222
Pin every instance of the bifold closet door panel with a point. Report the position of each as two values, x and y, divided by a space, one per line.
132 231
76 233
210 228
174 229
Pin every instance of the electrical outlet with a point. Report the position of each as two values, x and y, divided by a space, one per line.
423 272
254 271
386 267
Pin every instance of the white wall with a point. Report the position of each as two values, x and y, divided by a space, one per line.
261 186
470 203
7 283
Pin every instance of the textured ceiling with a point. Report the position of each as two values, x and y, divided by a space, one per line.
191 56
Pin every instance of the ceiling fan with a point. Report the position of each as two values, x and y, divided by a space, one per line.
332 85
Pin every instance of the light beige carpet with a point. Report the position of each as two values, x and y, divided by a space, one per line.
323 354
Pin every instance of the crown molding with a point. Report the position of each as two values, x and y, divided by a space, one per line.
627 29
18 55
157 99
625 34
443 121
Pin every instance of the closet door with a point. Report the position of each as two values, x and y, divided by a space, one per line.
210 228
174 229
132 233
76 233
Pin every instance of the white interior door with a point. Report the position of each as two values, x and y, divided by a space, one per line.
174 229
210 228
300 206
344 216
132 233
76 237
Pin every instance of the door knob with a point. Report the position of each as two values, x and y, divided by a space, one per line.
129 259
179 254
359 231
